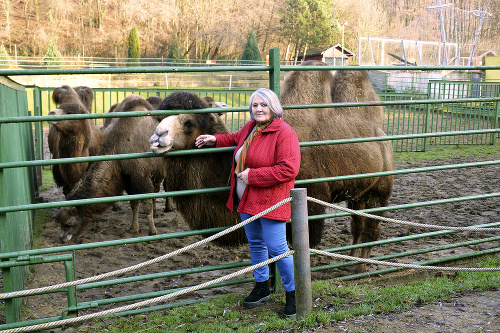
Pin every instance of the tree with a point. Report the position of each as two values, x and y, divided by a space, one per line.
4 57
307 23
134 51
53 58
251 53
174 51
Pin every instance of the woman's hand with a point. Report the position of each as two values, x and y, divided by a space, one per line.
205 140
243 176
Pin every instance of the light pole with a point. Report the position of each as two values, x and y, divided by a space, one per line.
343 28
443 37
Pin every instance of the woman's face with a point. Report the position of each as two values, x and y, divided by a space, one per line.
260 110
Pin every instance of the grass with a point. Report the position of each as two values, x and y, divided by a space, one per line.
457 151
332 301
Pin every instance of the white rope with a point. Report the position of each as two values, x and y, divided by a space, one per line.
143 264
146 302
386 219
395 264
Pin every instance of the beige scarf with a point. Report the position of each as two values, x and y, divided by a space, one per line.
240 166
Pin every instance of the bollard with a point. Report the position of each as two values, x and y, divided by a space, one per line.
301 257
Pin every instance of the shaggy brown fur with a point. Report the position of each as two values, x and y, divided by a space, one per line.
154 101
111 178
314 87
72 138
200 171
303 87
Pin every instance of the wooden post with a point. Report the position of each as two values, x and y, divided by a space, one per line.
301 257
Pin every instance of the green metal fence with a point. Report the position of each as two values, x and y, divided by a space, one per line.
17 187
463 115
412 113
400 119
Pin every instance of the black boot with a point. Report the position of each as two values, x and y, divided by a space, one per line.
290 310
259 295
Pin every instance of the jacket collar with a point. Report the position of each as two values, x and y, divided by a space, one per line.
273 127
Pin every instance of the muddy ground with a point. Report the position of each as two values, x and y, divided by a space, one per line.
409 188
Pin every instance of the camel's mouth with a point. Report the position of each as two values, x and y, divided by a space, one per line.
159 144
157 149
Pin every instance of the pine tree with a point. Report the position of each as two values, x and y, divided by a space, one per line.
4 57
174 51
53 58
134 51
251 53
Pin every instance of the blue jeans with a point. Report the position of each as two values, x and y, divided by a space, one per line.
266 238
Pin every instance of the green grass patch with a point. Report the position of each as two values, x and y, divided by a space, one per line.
332 301
443 152
47 180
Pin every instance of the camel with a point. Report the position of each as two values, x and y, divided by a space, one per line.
72 138
299 87
111 178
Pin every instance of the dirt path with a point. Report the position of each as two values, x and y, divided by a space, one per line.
453 316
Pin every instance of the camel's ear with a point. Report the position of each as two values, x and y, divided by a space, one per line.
215 117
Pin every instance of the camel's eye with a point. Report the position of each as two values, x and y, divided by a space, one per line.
188 126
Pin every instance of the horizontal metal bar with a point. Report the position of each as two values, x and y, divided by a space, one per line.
248 68
6 120
96 303
412 205
29 323
133 70
162 275
386 68
423 263
403 254
54 161
30 260
79 202
126 241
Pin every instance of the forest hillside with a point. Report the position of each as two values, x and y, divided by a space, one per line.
218 29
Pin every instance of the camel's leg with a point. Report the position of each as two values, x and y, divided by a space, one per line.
169 205
134 228
357 232
151 223
371 233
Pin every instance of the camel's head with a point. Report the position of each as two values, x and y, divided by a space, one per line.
180 131
70 222
65 109
213 104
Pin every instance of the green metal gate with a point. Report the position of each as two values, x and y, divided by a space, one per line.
16 143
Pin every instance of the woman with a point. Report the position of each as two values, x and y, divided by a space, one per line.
265 164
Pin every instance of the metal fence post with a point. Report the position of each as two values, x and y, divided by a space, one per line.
301 257
274 72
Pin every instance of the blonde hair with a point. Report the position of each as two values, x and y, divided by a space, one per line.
271 99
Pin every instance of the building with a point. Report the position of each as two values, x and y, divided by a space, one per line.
330 56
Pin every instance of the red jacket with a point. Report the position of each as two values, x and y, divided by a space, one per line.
274 162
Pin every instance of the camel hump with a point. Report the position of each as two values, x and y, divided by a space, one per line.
154 101
86 95
183 100
307 87
352 86
135 103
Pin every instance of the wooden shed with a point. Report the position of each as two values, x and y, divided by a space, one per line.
330 56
